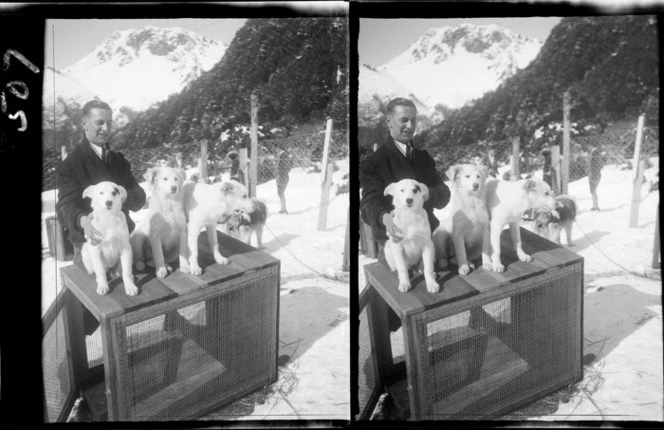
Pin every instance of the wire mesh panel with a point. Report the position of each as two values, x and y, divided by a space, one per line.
368 380
184 358
57 374
490 355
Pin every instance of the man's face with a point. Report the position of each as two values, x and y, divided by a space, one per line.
402 123
97 126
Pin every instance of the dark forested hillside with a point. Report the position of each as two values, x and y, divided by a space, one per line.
297 66
609 64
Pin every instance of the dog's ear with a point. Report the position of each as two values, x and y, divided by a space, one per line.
150 174
389 190
88 191
425 191
182 174
453 172
123 192
227 187
530 185
484 170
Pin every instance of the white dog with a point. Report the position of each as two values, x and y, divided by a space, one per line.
408 196
507 201
467 223
162 236
107 217
205 205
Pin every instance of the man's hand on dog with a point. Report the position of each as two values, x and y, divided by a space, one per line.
393 232
91 233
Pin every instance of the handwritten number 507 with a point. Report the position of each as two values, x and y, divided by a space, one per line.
17 88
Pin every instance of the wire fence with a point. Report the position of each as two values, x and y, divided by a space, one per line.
306 151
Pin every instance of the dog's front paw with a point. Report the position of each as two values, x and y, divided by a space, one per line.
102 289
131 289
195 269
184 267
433 287
162 272
525 257
464 269
498 267
487 264
404 285
220 259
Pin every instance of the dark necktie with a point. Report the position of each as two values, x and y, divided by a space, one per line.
104 155
409 152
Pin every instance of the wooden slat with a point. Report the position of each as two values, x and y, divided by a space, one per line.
116 301
386 283
501 366
196 369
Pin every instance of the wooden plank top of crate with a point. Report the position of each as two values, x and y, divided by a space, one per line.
244 260
547 256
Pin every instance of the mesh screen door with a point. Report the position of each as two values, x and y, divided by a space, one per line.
368 378
58 376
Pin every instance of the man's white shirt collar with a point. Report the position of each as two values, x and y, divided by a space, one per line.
401 146
96 149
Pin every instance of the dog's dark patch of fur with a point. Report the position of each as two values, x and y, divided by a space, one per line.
258 215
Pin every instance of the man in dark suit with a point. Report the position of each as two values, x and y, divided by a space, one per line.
90 163
397 159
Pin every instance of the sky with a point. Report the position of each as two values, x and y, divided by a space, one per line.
374 48
73 39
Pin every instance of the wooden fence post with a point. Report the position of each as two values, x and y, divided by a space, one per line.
656 250
202 162
244 159
345 262
637 176
253 167
326 148
555 166
564 162
325 198
515 159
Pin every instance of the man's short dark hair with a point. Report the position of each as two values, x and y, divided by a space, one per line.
95 104
399 101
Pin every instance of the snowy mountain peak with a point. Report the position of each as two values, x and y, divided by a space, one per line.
490 41
447 66
138 67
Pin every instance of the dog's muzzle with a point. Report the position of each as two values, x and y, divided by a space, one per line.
109 204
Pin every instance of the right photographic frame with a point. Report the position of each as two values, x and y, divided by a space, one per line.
482 138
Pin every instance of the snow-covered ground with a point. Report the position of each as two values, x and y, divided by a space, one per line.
314 313
623 378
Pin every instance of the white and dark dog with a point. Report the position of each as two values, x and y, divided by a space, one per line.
205 205
549 222
242 225
408 196
506 202
114 250
161 238
463 236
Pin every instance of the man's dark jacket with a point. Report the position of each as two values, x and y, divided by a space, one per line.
83 168
388 165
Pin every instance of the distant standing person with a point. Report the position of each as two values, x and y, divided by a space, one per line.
236 172
546 170
283 168
597 160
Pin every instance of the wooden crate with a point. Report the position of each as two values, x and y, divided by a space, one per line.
487 342
184 346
